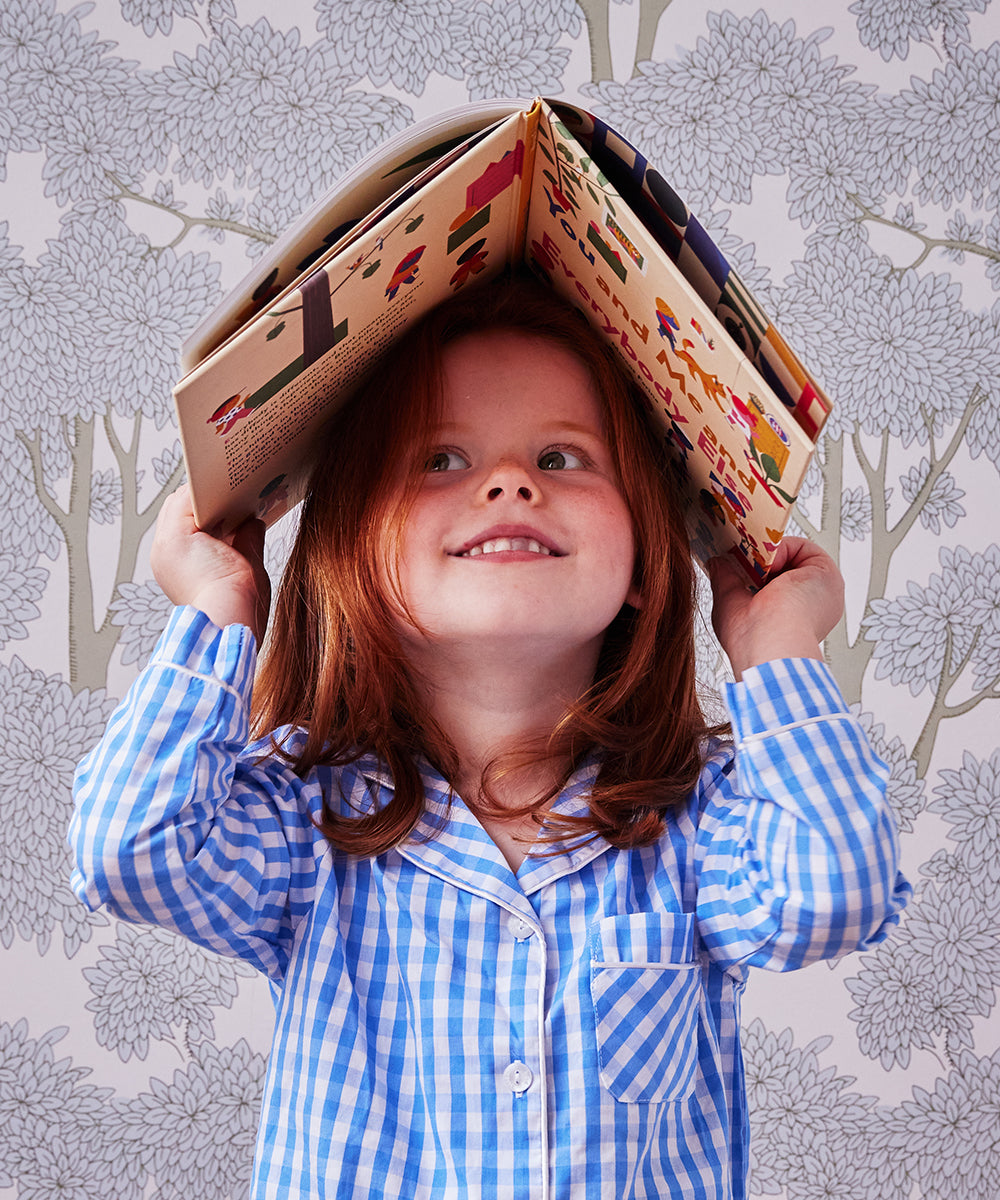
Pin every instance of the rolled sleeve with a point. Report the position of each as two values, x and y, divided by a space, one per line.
175 823
798 839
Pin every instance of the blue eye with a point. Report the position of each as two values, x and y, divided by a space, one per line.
560 460
446 460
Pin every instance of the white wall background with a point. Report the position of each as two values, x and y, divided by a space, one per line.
848 158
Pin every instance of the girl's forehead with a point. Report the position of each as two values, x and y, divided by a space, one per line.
497 371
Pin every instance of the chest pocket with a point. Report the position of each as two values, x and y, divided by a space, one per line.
646 990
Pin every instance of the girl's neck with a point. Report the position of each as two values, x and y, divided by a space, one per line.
500 704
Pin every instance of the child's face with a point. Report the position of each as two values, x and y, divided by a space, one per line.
519 532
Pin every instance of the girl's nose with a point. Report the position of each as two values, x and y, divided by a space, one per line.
509 478
496 492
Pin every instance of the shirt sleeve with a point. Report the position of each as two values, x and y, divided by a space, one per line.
175 824
796 848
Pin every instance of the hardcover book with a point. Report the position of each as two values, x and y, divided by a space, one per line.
448 205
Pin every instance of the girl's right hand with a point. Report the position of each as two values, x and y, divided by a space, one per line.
223 577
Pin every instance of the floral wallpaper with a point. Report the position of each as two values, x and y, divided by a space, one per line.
847 157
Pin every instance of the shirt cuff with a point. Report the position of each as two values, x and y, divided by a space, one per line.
193 642
775 695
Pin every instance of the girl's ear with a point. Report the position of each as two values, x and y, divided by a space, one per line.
634 597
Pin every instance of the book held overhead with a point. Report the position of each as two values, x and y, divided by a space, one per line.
450 204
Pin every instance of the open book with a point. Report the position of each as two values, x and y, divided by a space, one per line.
447 205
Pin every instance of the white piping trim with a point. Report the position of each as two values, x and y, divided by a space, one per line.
640 965
211 679
804 723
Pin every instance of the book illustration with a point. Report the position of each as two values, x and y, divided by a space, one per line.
355 204
497 178
406 271
688 243
472 261
667 322
229 413
686 377
342 314
273 500
702 334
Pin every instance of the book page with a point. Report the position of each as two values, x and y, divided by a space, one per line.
337 214
686 242
739 454
250 414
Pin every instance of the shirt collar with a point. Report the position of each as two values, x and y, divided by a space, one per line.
449 841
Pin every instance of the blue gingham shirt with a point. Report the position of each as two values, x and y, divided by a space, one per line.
446 1028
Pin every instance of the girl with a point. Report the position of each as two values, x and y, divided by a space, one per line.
505 882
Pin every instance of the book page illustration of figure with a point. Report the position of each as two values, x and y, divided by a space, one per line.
492 183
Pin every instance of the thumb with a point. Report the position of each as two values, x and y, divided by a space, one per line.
248 540
732 595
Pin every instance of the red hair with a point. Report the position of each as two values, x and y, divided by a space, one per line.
334 664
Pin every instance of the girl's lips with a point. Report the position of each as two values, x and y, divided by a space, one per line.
508 540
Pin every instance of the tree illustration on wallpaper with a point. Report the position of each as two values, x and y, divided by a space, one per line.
258 121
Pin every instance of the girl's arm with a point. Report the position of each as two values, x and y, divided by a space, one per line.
797 846
174 824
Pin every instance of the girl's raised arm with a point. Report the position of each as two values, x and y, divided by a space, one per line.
176 823
798 853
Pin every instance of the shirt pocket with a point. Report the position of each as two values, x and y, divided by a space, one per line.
646 990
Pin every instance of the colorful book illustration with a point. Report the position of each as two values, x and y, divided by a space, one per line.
448 205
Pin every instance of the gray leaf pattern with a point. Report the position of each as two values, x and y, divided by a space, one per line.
162 145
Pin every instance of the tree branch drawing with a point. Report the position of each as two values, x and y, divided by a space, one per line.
956 246
850 658
597 15
91 643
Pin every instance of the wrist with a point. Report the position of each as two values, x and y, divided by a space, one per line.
224 609
771 648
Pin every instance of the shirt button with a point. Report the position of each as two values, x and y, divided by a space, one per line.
520 929
518 1077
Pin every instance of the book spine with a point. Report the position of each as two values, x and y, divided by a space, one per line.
529 136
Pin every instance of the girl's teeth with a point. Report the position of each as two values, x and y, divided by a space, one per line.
497 545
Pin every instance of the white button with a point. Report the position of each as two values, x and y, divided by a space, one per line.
518 1077
520 929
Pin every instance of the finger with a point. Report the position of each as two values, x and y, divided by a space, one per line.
248 540
177 512
727 580
794 553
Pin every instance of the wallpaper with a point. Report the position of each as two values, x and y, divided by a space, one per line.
847 158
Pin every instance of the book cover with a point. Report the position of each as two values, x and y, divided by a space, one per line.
740 450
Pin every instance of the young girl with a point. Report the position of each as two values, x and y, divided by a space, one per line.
504 881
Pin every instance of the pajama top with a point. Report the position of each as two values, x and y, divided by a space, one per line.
446 1028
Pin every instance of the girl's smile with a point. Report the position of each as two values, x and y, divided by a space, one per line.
509 540
519 533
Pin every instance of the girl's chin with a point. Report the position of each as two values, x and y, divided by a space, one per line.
516 639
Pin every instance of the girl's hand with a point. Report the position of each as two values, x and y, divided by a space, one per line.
224 578
791 614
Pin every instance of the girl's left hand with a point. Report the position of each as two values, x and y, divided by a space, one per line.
789 617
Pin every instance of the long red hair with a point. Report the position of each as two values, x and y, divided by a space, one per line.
334 663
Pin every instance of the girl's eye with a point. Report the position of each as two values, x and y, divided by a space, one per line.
446 460
560 460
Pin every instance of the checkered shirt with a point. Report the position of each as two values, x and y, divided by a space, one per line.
446 1028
